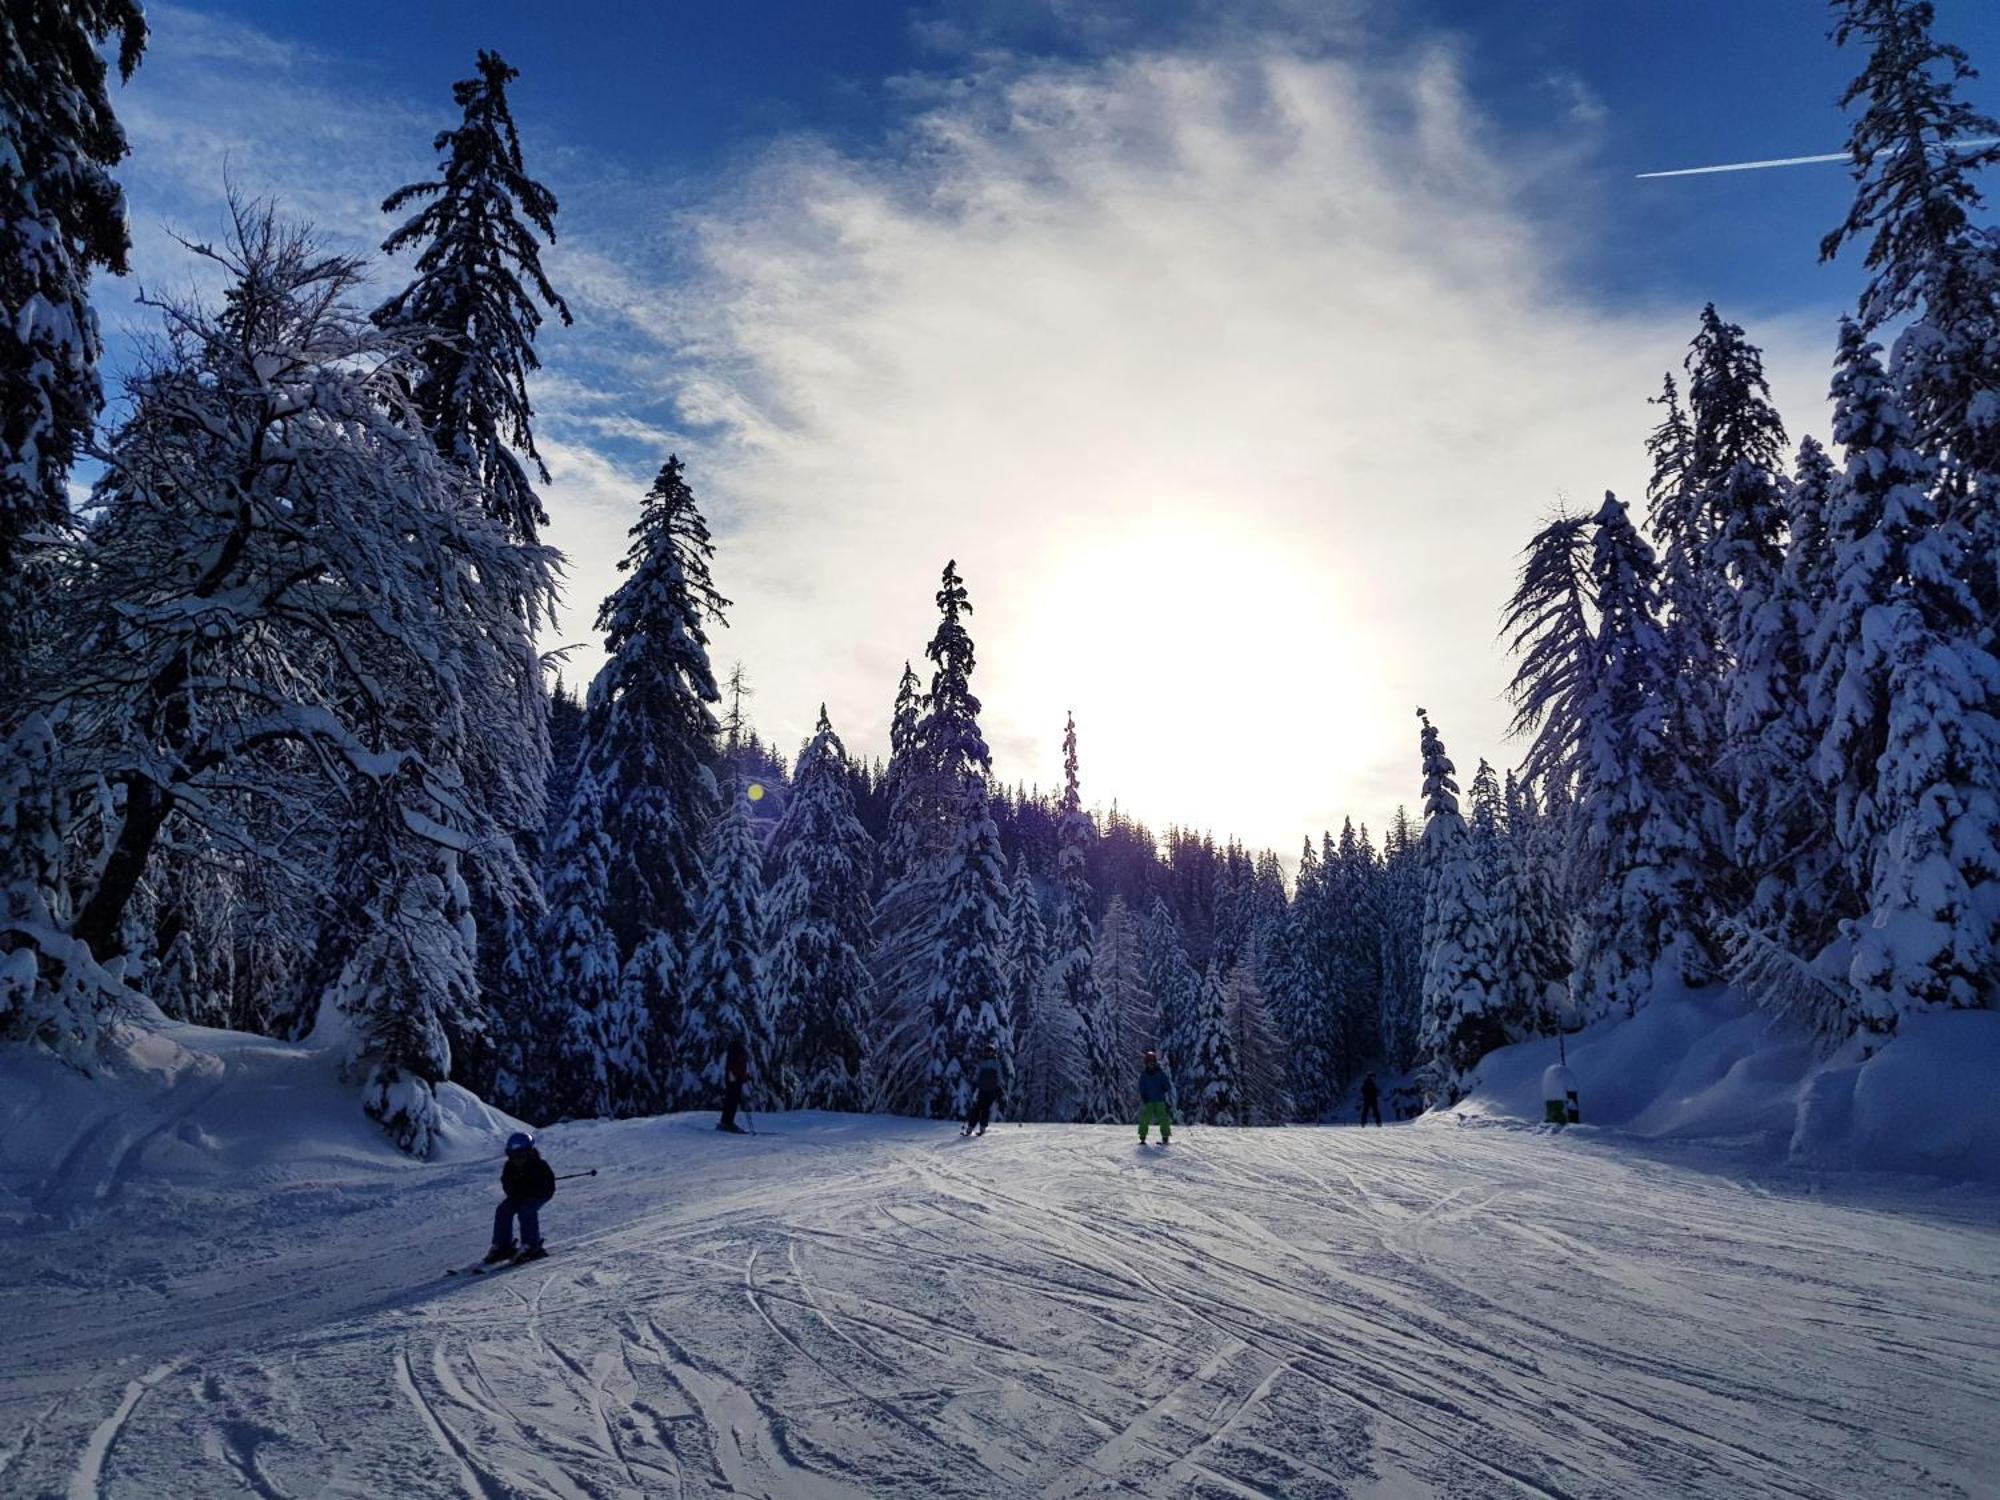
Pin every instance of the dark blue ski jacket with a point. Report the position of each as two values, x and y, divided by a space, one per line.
1152 1086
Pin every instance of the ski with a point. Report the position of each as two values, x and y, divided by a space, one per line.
484 1268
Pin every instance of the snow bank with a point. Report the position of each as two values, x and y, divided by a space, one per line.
183 1106
1708 1066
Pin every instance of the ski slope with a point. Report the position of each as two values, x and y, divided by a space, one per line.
199 1300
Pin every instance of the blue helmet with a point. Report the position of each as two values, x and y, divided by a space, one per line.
520 1140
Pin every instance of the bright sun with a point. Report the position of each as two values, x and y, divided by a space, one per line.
1213 674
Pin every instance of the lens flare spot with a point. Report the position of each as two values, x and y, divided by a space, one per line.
756 792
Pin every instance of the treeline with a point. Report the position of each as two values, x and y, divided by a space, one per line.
279 752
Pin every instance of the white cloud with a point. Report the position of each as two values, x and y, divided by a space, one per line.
1234 383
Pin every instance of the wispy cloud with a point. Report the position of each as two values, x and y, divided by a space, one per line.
1234 382
1579 102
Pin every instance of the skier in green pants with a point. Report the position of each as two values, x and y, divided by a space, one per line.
1153 1101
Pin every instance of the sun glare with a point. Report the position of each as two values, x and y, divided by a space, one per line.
1213 675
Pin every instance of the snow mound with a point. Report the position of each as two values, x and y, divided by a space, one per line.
184 1106
1708 1066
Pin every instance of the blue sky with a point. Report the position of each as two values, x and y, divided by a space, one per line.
1231 348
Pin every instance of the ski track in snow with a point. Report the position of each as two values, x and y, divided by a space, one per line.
845 1308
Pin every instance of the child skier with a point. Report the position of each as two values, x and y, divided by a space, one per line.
529 1183
1153 1100
735 1077
985 1092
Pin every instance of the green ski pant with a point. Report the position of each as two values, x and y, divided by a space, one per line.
1155 1113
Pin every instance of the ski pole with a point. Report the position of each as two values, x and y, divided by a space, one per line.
565 1177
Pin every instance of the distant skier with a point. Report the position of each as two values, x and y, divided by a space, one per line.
1371 1100
735 1078
529 1183
1153 1100
985 1092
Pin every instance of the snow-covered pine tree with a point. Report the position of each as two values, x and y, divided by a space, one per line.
1027 953
649 722
1354 970
641 792
1209 1091
1736 452
1923 569
52 990
1122 979
1550 628
1174 982
899 946
1690 602
1908 682
1534 938
1302 989
1917 149
821 862
1512 992
1783 837
61 216
1287 982
723 994
1073 955
592 1052
968 993
1633 798
1460 988
565 746
1402 923
1259 1049
477 296
1048 1058
408 984
941 746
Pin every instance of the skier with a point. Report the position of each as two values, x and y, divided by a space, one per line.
735 1077
529 1183
985 1092
1153 1100
1371 1101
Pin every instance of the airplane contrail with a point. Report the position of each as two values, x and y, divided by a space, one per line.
1800 161
1749 166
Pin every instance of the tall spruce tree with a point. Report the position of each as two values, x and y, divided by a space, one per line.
821 863
1210 1092
591 1051
649 720
1133 1015
723 994
61 216
1042 1064
968 993
1174 983
1911 750
1258 1047
1634 800
1917 149
1402 909
1073 950
1534 941
642 793
478 295
1783 834
1460 987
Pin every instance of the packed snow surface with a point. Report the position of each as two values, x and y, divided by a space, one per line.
219 1281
